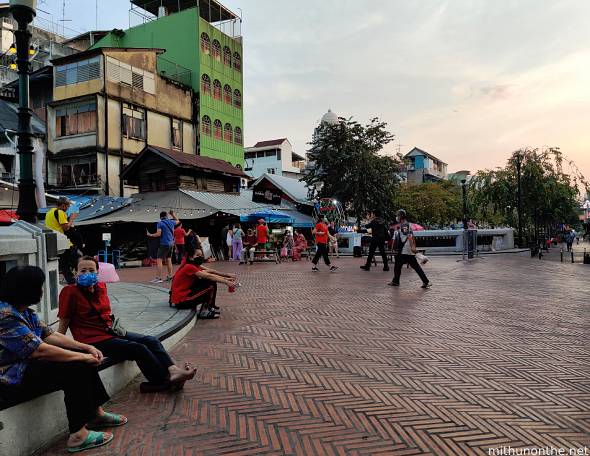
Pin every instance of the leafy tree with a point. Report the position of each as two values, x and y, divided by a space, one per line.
348 166
549 195
431 204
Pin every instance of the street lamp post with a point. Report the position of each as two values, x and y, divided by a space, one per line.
465 240
23 12
519 195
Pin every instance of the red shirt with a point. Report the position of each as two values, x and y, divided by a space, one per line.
183 281
321 238
87 312
262 234
179 235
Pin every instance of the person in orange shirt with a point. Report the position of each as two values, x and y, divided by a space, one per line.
262 236
321 241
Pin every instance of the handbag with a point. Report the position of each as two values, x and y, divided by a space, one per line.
284 252
116 328
422 259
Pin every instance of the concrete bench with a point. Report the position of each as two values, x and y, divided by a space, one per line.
28 426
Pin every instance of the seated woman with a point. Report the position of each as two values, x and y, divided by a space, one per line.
250 244
300 245
195 284
34 361
85 309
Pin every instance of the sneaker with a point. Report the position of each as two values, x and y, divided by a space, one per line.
393 284
365 267
333 268
208 314
386 268
168 279
315 269
426 285
156 280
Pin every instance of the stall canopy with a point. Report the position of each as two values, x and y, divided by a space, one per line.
270 215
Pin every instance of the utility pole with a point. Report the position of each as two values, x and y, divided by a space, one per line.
23 12
519 195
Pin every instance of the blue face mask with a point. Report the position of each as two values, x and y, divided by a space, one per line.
88 279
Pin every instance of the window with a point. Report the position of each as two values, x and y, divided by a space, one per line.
123 73
247 155
76 119
238 136
237 62
216 50
228 133
217 129
205 44
227 94
133 122
270 171
176 133
206 125
270 153
206 84
238 99
76 72
227 56
216 90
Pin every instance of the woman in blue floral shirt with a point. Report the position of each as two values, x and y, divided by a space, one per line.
34 361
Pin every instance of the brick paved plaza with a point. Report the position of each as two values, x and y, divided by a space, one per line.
496 354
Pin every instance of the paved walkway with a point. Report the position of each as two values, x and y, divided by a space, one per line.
496 354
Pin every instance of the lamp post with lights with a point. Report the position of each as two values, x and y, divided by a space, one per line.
23 12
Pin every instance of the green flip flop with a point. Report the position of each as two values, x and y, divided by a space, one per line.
93 440
107 420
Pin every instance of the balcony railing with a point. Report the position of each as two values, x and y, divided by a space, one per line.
174 72
91 180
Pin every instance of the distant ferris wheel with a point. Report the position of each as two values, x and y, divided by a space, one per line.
331 209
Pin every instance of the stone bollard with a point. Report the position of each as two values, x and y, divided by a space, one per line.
561 253
572 252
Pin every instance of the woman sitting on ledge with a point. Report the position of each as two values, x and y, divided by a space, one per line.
35 361
195 284
85 309
300 245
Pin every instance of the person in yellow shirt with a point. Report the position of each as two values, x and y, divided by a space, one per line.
56 219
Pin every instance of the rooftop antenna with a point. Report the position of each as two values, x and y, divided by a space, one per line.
96 3
63 18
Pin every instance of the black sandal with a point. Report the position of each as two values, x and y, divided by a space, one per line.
208 314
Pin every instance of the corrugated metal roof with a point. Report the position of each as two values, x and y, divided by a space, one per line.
9 119
235 204
200 161
293 188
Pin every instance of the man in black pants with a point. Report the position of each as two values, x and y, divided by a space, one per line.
380 236
404 244
321 241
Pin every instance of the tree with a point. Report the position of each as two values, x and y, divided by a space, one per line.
430 204
549 195
349 168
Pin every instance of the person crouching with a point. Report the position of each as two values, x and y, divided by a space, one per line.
195 284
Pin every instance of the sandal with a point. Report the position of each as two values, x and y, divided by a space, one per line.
93 440
107 420
208 314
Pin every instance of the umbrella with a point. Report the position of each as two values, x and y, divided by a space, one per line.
270 216
413 226
107 273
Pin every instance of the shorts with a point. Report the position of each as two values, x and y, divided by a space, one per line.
164 252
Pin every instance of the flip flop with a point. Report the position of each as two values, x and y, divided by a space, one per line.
93 440
107 420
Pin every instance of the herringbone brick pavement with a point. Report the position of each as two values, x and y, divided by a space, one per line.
496 354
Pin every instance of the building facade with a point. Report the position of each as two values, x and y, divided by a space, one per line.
424 167
203 50
108 105
273 157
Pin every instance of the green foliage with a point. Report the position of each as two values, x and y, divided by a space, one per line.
349 168
549 195
431 204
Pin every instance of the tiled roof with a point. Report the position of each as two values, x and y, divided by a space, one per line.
190 160
272 142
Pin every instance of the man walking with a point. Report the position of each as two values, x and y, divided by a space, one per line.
404 244
321 241
165 231
379 236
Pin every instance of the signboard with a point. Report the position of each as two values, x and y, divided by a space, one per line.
266 196
106 236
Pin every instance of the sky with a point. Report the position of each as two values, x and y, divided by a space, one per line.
469 81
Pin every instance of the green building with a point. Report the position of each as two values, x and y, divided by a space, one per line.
203 50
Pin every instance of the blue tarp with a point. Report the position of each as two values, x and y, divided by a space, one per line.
269 215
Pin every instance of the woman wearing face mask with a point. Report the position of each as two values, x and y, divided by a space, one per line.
85 309
34 361
195 284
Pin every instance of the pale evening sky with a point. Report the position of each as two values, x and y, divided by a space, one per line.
467 80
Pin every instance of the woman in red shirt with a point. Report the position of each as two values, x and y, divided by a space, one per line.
179 241
195 284
85 309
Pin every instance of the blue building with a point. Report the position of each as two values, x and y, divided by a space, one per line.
424 167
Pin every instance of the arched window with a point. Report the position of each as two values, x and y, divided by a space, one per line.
228 133
237 62
238 99
238 136
206 84
227 56
217 50
205 44
227 94
206 126
217 129
216 90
